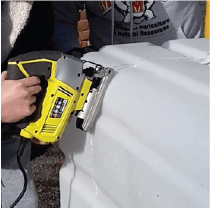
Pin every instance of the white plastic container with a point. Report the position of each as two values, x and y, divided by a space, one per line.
196 49
149 146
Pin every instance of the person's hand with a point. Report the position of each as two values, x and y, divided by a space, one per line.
17 97
36 141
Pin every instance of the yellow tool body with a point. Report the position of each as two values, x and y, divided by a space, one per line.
49 128
60 99
67 88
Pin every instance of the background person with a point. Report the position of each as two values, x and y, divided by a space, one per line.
119 22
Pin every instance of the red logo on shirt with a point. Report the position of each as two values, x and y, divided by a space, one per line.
105 6
137 6
141 10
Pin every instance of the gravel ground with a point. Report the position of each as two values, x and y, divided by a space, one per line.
46 162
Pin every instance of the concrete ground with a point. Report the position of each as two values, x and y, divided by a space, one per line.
46 162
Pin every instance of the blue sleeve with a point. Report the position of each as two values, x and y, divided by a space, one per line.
66 17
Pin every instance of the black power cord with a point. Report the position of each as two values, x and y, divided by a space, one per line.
23 143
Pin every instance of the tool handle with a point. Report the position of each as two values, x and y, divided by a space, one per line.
32 64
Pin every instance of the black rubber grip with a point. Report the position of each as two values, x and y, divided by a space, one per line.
14 73
51 55
41 69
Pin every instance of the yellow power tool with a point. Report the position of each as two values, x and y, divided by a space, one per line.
67 88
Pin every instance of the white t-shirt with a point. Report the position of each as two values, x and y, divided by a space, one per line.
120 22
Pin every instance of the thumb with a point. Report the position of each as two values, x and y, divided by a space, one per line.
4 76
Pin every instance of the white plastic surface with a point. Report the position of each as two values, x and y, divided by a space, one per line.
149 146
193 48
